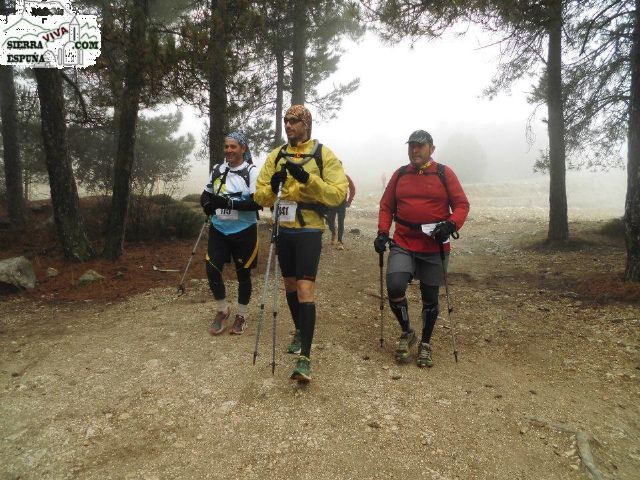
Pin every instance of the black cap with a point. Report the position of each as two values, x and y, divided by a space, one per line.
420 136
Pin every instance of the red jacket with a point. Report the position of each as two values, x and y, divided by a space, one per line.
420 197
352 190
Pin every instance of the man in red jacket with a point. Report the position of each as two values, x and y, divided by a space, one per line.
428 205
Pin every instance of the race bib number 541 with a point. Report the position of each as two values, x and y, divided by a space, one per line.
287 211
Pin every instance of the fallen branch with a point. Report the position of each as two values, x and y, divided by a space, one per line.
374 295
166 270
582 440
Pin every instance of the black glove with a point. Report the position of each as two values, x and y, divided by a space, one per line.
443 230
298 172
218 201
380 243
211 201
278 178
205 203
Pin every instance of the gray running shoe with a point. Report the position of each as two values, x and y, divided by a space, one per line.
239 325
405 342
424 356
296 344
218 325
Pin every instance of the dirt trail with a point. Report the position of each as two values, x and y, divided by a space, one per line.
139 390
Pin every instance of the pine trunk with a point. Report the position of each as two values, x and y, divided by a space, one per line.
64 194
632 204
12 164
277 139
558 219
133 83
217 82
299 53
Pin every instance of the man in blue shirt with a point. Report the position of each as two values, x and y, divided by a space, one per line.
228 198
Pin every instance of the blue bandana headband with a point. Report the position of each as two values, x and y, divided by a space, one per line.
242 141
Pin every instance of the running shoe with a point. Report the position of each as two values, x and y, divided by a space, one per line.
424 356
405 342
219 323
302 372
239 325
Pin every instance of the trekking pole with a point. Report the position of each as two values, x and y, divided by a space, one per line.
449 308
265 286
381 263
275 315
262 300
180 290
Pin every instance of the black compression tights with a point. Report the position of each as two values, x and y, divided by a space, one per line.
216 283
396 289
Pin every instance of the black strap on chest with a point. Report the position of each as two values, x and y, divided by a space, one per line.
244 173
316 154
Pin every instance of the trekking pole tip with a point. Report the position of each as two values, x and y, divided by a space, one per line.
381 342
455 355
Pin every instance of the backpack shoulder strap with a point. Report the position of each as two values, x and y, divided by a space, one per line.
281 153
215 172
443 179
244 173
401 171
317 156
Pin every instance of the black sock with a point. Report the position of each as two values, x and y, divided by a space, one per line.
429 317
401 311
307 321
294 307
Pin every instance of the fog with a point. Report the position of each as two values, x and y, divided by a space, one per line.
437 86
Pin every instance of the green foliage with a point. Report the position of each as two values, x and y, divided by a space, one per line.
160 155
192 197
34 168
613 228
161 199
595 69
148 221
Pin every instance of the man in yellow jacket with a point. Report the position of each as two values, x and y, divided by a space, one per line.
310 179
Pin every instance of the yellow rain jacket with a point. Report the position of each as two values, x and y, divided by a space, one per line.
330 189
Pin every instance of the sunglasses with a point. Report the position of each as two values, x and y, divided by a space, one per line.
292 120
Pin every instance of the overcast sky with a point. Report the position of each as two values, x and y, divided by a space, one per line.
436 86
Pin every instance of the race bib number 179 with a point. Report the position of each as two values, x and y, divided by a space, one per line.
226 214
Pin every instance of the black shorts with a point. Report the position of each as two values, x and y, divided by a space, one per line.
299 254
242 246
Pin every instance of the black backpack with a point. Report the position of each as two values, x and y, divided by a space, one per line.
316 155
402 171
244 173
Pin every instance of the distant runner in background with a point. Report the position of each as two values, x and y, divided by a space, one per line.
428 204
228 198
340 211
